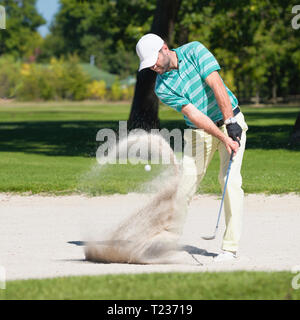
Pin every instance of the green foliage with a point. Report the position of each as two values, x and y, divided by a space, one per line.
253 41
9 76
71 79
96 90
36 83
20 37
120 91
107 29
61 80
128 92
116 91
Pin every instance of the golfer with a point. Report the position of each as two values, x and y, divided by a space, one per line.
189 82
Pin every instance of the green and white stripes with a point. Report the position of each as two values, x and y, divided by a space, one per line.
187 83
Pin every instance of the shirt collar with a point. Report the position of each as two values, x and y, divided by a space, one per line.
179 57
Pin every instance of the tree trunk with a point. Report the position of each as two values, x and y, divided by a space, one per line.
257 97
274 93
183 36
274 88
295 137
144 108
164 18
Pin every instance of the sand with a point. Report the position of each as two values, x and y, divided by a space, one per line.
150 234
42 236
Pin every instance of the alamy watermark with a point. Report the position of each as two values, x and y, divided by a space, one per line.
296 279
2 278
2 18
138 146
296 18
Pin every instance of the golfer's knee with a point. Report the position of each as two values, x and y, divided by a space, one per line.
232 183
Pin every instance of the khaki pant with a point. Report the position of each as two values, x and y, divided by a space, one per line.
195 163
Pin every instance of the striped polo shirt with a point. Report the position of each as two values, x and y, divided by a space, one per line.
187 84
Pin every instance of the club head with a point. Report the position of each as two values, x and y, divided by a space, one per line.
209 238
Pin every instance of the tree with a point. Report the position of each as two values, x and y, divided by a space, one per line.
20 38
144 108
106 29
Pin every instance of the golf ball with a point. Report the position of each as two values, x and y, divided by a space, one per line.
147 167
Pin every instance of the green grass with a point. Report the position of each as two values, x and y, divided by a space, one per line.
182 286
36 173
50 148
263 171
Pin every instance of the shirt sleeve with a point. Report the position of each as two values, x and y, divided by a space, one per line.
205 60
171 98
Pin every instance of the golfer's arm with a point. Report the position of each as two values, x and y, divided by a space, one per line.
202 121
215 82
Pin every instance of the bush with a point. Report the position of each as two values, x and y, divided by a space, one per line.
127 93
116 91
70 79
61 79
9 76
97 90
36 83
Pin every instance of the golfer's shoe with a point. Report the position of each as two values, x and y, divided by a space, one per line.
225 256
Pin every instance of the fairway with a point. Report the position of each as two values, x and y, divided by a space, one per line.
62 137
165 286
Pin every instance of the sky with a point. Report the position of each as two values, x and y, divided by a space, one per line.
47 8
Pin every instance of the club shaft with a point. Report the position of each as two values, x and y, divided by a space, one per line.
224 191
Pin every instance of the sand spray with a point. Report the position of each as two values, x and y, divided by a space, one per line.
150 235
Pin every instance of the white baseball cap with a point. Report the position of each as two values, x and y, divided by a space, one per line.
147 49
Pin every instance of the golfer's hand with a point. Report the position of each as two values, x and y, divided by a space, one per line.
231 145
234 131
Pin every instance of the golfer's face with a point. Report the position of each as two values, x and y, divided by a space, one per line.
162 63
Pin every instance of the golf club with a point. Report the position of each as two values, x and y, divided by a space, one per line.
219 215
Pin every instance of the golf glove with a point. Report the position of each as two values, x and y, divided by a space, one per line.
234 131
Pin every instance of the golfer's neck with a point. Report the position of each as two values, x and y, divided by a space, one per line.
174 60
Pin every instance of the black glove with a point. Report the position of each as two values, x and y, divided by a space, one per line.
234 131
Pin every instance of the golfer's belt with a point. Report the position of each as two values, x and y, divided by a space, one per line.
220 123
